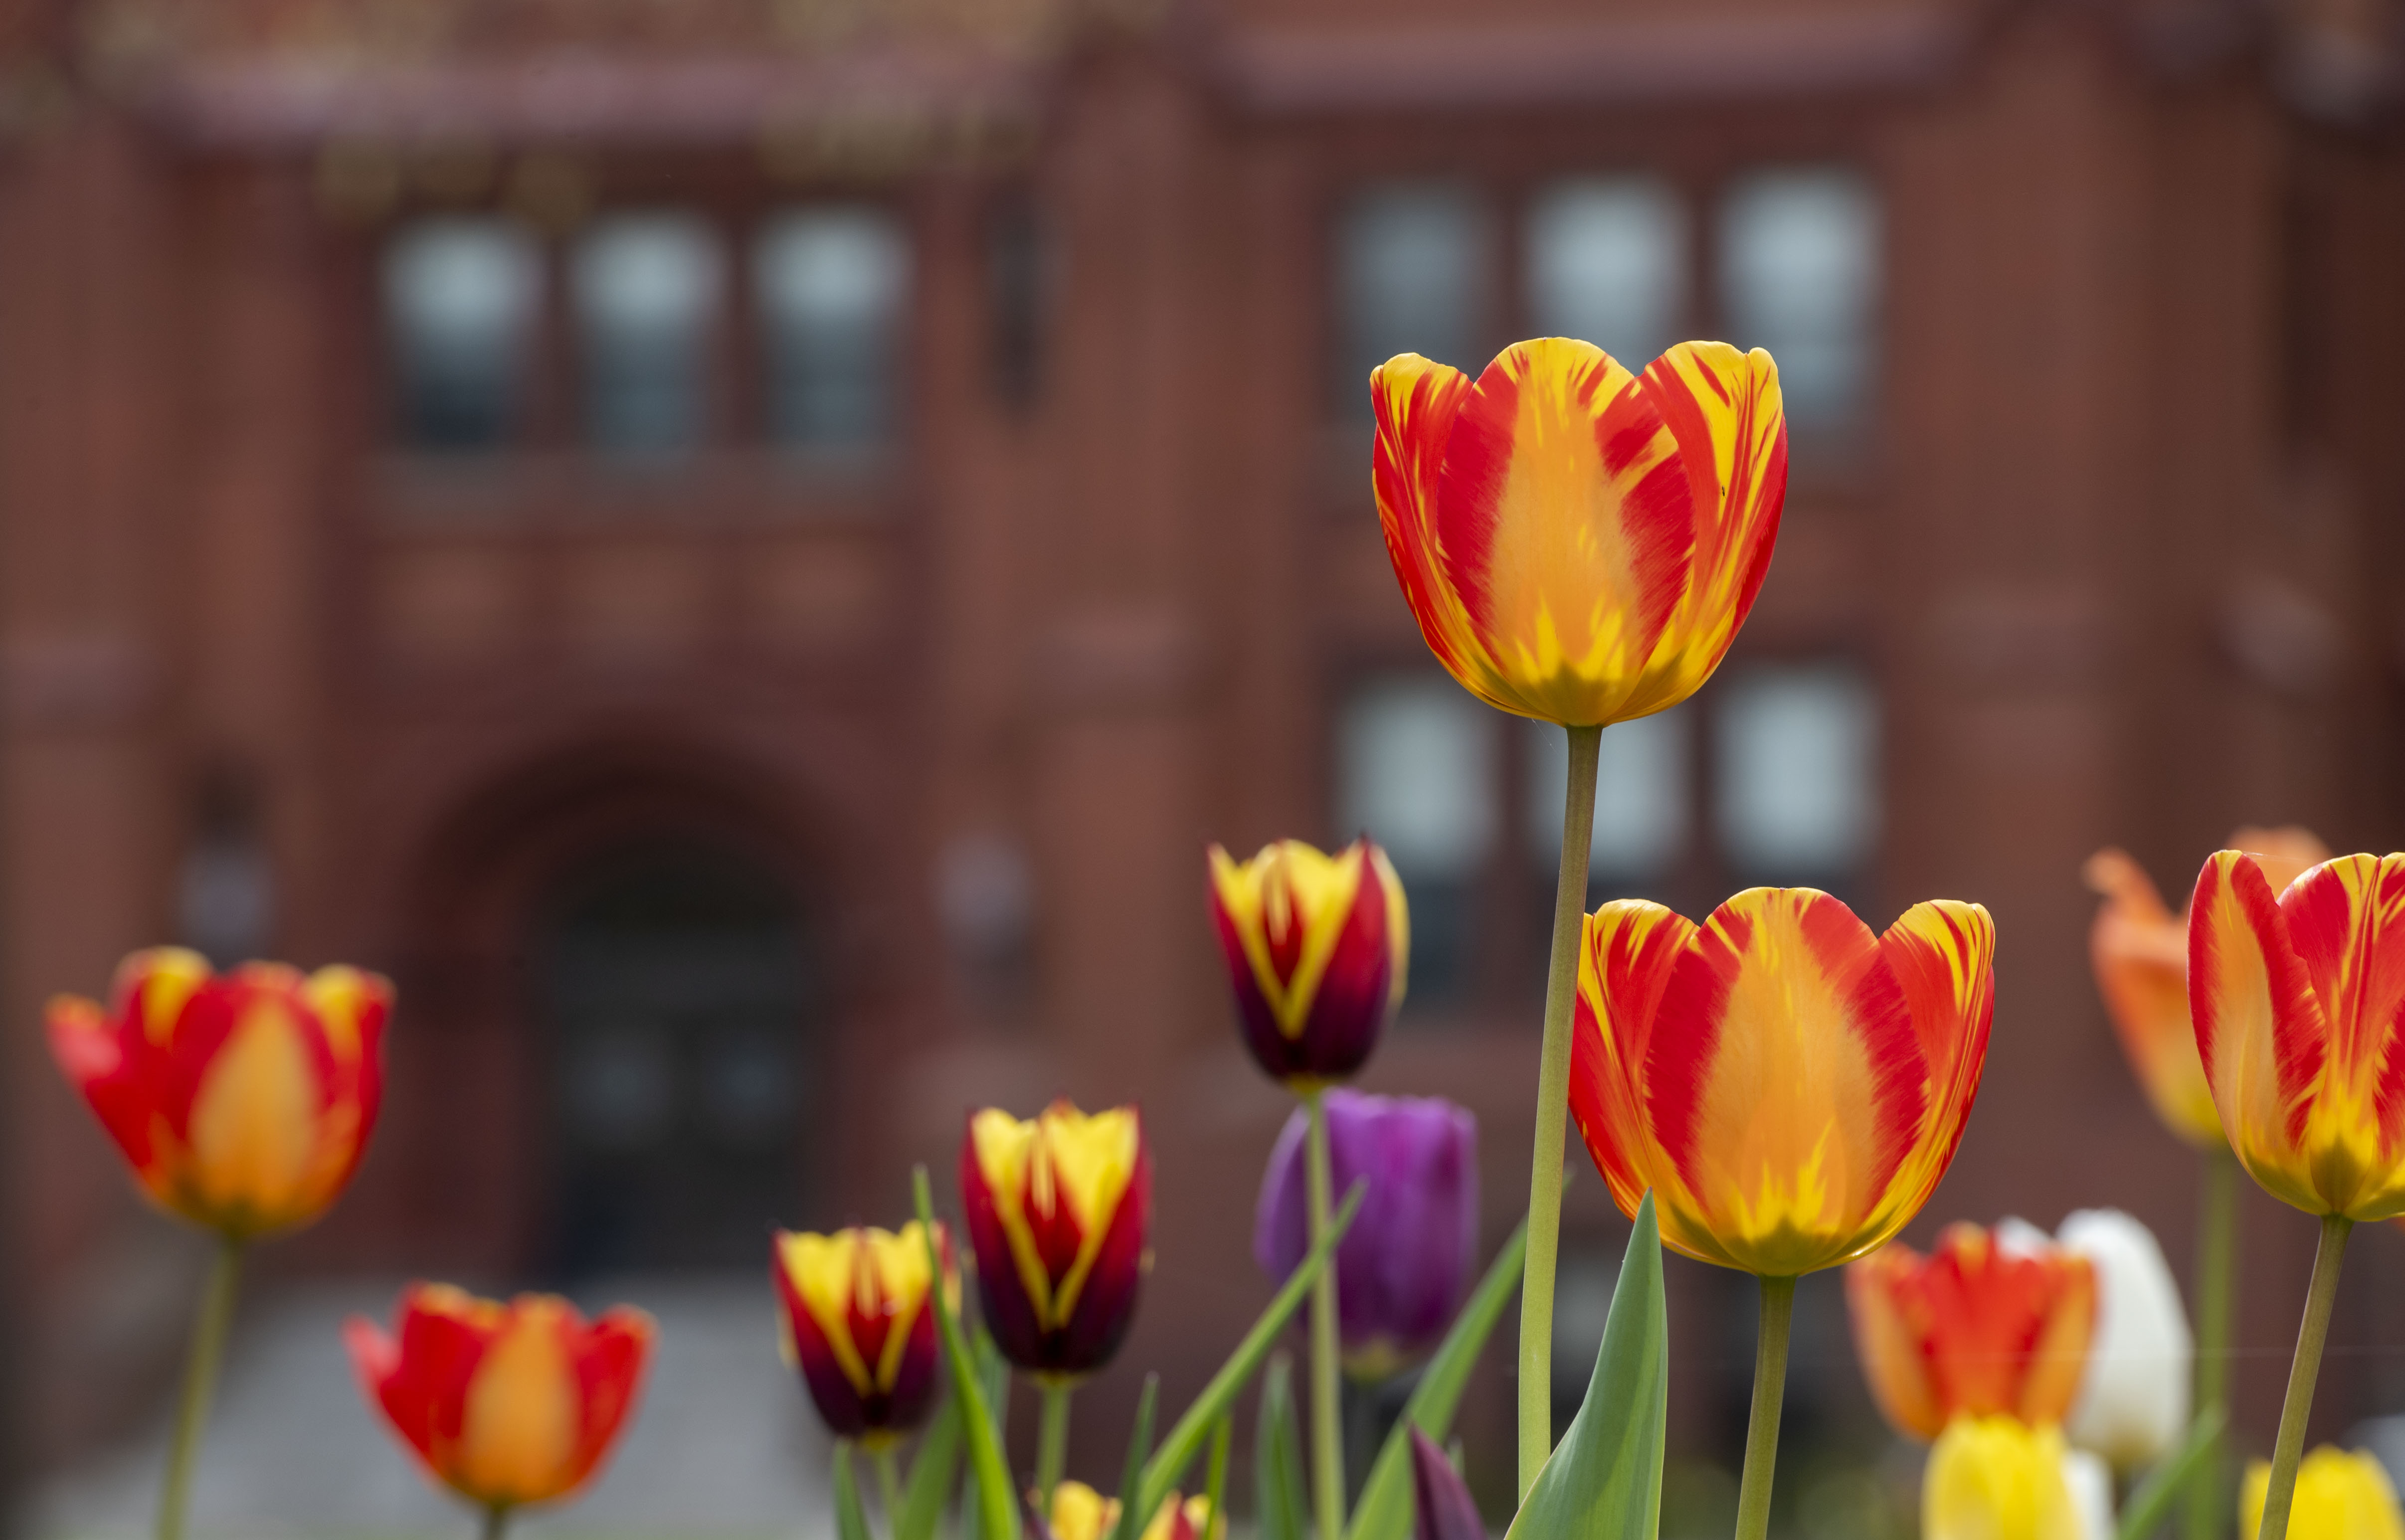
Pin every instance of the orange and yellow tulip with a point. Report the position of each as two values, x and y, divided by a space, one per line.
1318 947
1787 1086
1060 1210
505 1404
1579 543
1975 1328
2298 999
243 1100
855 1322
2140 952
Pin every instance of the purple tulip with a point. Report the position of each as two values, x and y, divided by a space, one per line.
1442 1508
1404 1265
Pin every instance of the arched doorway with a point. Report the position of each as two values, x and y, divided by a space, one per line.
677 999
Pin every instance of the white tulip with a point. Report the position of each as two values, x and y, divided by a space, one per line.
2091 1481
2134 1401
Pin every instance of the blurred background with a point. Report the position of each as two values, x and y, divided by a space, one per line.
740 548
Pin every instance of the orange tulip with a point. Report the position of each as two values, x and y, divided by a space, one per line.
855 1322
1317 948
1973 1328
2140 952
503 1404
1579 543
1787 1086
2298 999
243 1100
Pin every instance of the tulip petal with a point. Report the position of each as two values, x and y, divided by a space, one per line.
1943 954
2259 1027
1889 1342
1442 1507
2139 951
1628 948
519 1429
2347 920
1796 1095
1415 401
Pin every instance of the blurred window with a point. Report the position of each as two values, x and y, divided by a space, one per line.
1796 798
1410 276
647 290
1800 276
1019 279
1608 264
1642 800
832 282
1417 771
460 300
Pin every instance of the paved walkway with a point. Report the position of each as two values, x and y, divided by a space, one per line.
725 1443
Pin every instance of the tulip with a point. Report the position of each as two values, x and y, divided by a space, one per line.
1060 1210
2296 1002
2134 1401
241 1103
2340 1496
505 1404
1578 545
855 1322
1078 1512
1979 1326
243 1100
1404 1266
1788 1087
1998 1479
1316 948
1441 1507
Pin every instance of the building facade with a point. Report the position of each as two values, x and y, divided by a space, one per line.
741 551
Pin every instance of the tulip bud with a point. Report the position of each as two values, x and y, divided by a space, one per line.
243 1100
504 1404
1404 1267
1060 1208
2132 1407
2340 1496
855 1322
1442 1508
1998 1479
1318 947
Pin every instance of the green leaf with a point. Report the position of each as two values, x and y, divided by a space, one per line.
1386 1508
1281 1510
1133 1520
997 1504
1604 1480
1223 1433
2151 1505
933 1471
1177 1452
850 1523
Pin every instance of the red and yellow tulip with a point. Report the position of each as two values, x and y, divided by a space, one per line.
1318 947
2140 952
1081 1513
243 1100
2298 999
856 1322
1787 1086
1580 543
1974 1327
505 1404
1060 1210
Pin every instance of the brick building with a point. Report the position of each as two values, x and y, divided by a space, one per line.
741 549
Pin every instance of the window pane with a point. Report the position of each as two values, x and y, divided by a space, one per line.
1641 799
1798 798
1800 276
460 298
1416 771
1409 267
647 288
1608 264
831 283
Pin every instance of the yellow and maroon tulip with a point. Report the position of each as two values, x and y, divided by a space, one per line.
857 1324
2298 999
1581 543
1787 1086
505 1404
1060 1210
1317 947
2140 952
1976 1327
243 1100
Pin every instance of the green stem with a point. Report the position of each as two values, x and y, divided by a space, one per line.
889 1486
497 1521
1052 1440
1769 1391
1216 1492
2216 1304
1326 1403
2302 1371
1553 1114
209 1328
